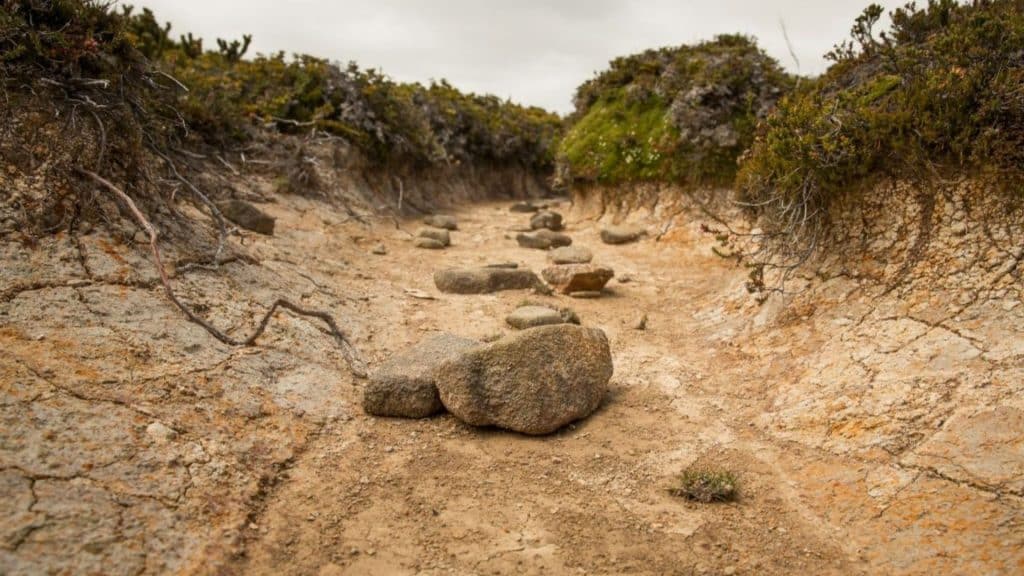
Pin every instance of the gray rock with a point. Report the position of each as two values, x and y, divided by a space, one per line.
404 386
442 221
623 234
586 295
439 234
569 278
485 280
534 316
247 216
380 250
546 219
428 243
534 382
571 255
543 240
507 265
523 207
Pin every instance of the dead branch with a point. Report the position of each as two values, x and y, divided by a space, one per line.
355 362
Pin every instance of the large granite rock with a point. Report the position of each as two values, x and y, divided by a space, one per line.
535 381
569 278
247 216
485 280
404 386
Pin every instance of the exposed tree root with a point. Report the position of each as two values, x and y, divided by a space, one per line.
355 362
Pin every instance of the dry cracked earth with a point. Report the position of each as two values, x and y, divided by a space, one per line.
873 431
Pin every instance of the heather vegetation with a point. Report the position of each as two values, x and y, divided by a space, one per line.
679 114
124 65
939 94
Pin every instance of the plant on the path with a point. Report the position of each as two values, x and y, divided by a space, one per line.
706 485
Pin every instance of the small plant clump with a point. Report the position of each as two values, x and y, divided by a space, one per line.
706 485
938 94
676 114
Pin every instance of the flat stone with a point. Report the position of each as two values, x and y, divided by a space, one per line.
404 386
485 280
534 382
506 265
380 250
569 278
247 216
428 243
439 234
623 234
442 221
534 316
543 240
585 295
523 207
571 255
546 220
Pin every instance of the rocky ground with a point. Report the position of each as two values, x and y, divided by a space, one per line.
869 435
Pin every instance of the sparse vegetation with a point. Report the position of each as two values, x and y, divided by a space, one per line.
706 485
675 114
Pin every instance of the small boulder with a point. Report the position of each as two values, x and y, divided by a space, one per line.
380 250
571 278
442 221
543 239
404 386
247 216
571 255
523 207
485 280
439 234
534 316
428 244
623 234
534 382
547 220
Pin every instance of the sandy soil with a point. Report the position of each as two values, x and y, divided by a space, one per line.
132 442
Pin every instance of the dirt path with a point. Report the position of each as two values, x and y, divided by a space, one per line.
277 470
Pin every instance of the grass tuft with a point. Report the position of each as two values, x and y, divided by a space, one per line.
706 485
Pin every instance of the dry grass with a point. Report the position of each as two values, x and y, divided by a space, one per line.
706 485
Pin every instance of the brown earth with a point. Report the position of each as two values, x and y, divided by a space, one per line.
875 430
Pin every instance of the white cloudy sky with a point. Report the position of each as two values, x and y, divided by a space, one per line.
532 51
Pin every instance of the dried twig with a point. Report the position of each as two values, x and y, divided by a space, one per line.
356 364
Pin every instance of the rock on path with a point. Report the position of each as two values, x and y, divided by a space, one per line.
571 255
439 234
533 382
546 220
247 216
543 240
532 316
571 278
428 243
404 386
442 221
623 234
485 280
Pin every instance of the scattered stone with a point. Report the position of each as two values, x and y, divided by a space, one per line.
442 221
404 386
533 382
568 315
523 207
439 234
543 239
534 316
505 265
485 280
247 216
428 243
380 250
569 278
546 219
585 295
571 255
625 279
640 323
623 234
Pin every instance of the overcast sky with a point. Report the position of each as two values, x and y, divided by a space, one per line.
532 51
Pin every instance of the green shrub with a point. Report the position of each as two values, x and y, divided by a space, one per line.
940 92
675 114
706 485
